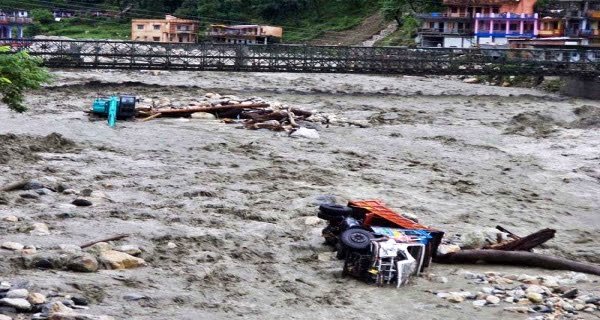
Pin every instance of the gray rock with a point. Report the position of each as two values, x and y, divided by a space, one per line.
492 299
3 317
17 294
14 246
472 240
44 260
19 304
542 309
479 303
4 286
305 133
134 297
29 195
81 202
33 185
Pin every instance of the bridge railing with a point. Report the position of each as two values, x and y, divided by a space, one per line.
300 58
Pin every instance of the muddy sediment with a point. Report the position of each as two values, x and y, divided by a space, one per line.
219 212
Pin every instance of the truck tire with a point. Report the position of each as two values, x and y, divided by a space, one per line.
356 239
335 210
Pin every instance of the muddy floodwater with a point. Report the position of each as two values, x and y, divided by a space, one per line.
460 157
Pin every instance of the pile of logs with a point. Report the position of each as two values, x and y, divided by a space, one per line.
517 252
253 113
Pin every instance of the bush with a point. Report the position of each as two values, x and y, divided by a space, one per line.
19 72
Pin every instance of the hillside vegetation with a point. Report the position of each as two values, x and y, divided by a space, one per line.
303 20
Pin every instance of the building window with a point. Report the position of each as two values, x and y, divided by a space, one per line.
156 39
140 27
157 27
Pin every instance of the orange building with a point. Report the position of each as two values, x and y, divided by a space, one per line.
170 29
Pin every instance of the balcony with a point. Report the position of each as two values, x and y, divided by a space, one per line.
504 34
478 2
551 33
446 31
506 16
444 16
180 30
14 20
593 14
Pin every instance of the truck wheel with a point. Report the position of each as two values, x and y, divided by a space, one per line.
335 210
329 217
356 239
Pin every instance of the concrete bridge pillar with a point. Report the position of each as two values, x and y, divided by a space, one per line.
588 88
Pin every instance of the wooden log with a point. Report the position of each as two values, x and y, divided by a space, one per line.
300 112
114 238
517 258
187 111
154 116
525 243
292 116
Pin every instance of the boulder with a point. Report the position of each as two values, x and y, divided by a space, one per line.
36 298
305 133
82 262
535 297
12 246
100 247
17 293
40 229
120 260
17 303
81 202
57 307
129 249
10 218
203 116
455 298
472 240
492 299
471 80
447 248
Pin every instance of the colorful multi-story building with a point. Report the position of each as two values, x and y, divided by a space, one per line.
480 23
12 23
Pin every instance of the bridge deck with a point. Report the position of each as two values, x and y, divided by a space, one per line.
311 59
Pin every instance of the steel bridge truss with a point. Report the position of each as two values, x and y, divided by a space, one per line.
310 59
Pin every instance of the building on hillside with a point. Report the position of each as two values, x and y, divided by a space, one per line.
245 34
59 14
469 23
12 23
171 29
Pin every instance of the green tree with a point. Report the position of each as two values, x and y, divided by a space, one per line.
398 9
18 73
42 16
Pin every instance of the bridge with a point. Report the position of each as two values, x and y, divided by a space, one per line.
580 62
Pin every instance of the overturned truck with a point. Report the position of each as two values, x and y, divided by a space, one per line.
377 244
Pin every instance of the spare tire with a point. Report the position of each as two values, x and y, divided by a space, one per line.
356 239
335 210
